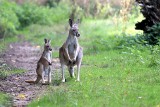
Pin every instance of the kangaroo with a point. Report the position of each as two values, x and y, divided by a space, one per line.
44 64
71 53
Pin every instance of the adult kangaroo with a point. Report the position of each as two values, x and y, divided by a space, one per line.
71 53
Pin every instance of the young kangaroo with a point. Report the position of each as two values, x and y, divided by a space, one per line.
44 64
70 54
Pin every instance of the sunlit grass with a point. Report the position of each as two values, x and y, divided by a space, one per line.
116 71
109 78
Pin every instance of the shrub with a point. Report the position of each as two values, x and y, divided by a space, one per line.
8 19
61 12
152 36
14 16
35 14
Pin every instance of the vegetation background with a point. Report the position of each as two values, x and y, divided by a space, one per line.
119 67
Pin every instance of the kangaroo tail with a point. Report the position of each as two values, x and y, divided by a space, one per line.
36 81
27 81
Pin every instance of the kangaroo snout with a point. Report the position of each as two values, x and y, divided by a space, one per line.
50 49
78 35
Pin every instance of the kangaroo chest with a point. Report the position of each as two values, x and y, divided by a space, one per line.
48 56
72 47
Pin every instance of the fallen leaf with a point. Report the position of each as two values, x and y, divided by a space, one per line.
11 46
21 96
16 78
13 61
38 46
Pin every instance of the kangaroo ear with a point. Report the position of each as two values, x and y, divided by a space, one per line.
45 40
49 41
70 22
78 21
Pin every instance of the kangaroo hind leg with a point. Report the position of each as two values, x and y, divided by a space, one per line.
49 75
40 74
79 60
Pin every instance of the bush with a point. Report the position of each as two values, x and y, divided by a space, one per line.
152 36
35 14
14 16
8 19
61 12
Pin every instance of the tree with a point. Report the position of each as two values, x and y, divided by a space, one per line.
151 11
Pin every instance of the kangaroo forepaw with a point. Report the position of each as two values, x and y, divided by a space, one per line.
69 62
50 63
74 62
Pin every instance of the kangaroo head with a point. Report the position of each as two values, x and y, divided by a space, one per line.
47 45
74 28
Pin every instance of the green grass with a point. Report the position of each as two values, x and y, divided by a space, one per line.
109 79
4 100
7 71
116 71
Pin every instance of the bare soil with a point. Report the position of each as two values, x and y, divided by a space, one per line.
23 56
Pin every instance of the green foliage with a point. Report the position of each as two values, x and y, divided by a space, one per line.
61 12
14 16
4 100
153 34
99 45
128 41
154 60
8 19
35 14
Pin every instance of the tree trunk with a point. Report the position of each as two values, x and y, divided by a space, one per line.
151 11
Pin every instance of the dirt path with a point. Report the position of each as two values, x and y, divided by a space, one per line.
24 56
